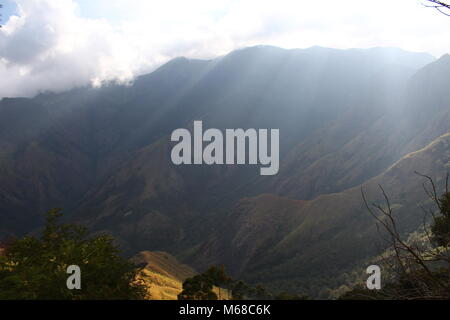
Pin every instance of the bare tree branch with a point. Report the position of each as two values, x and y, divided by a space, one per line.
408 257
441 6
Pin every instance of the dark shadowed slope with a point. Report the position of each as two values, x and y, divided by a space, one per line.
345 117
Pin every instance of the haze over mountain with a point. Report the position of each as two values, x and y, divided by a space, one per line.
346 117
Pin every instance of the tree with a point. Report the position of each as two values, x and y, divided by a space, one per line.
440 229
413 271
442 6
36 268
199 287
218 277
240 290
261 293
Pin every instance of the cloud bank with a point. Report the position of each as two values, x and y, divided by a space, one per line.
60 44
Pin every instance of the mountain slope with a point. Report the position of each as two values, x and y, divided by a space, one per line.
322 238
163 273
346 117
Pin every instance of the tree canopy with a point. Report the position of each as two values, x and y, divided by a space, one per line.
36 267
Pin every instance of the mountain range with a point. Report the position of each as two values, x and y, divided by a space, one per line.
348 119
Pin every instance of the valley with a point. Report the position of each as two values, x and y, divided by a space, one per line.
347 119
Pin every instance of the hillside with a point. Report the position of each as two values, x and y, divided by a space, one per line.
347 118
163 273
328 236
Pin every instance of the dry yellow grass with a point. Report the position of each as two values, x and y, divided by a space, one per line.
164 275
161 287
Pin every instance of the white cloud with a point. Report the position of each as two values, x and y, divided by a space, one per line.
56 44
49 47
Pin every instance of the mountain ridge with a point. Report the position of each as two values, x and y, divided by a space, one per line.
345 117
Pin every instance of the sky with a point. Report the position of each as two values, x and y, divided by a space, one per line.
56 45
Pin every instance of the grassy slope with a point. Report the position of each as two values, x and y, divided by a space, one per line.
164 274
310 245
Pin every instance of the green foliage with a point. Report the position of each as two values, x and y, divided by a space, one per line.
241 290
201 287
424 273
444 202
441 231
35 268
198 287
218 277
261 293
408 286
440 228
